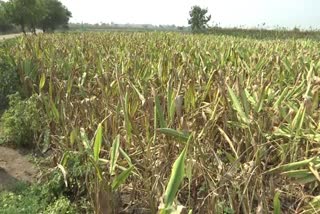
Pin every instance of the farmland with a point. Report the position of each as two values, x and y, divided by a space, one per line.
136 122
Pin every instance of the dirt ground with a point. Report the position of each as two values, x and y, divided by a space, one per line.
15 166
10 36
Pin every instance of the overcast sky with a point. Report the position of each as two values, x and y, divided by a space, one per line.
250 13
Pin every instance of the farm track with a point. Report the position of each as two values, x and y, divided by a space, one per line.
9 36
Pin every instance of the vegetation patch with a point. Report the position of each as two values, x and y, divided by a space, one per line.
27 199
10 82
21 122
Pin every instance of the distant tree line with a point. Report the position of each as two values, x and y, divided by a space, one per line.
47 15
128 26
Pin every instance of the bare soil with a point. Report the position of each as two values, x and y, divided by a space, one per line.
15 166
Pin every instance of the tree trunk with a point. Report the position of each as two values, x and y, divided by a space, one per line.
23 29
33 29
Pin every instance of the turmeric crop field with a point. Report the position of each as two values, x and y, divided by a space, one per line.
170 122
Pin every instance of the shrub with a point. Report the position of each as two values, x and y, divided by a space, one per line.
61 205
21 121
34 199
9 81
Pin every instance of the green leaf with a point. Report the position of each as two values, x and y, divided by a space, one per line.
276 204
42 81
170 104
293 166
258 108
281 98
237 106
97 143
121 178
177 175
126 117
69 85
73 136
298 120
159 113
97 167
245 102
55 112
114 154
125 155
305 180
300 173
250 98
174 133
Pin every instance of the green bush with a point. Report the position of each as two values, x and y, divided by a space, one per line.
62 205
34 199
9 80
21 121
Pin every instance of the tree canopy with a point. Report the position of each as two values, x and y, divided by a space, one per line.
56 14
198 19
32 14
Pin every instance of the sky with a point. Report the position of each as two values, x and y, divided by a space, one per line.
226 13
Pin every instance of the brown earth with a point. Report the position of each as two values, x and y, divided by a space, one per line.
15 166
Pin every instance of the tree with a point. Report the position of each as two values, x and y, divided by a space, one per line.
56 14
46 14
5 24
198 19
25 13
